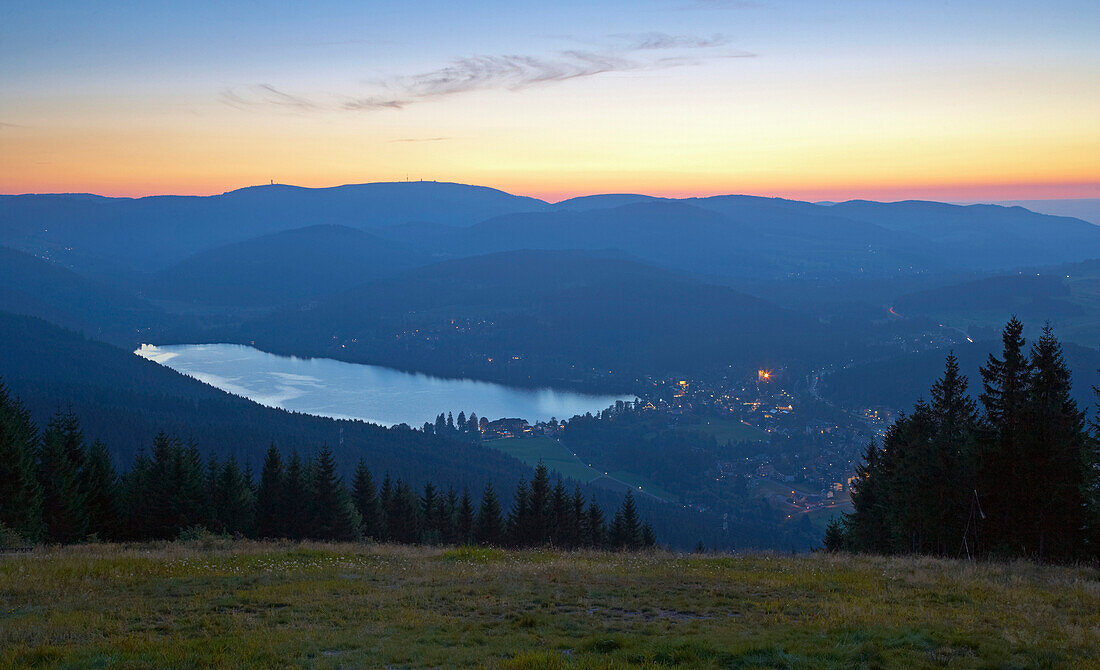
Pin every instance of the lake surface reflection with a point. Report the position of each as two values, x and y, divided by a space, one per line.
336 389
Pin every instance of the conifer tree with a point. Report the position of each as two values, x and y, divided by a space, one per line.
464 522
448 528
366 501
334 515
102 486
489 525
866 527
270 513
560 508
1055 458
834 536
135 513
59 464
233 505
429 516
520 524
385 507
626 530
539 511
403 524
593 529
1005 382
20 495
574 534
296 500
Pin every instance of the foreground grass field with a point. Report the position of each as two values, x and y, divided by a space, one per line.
259 605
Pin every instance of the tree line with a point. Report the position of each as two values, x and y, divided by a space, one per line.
1018 478
55 488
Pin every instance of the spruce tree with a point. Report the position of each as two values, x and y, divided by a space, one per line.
489 525
593 529
1055 456
386 510
430 516
626 529
1000 448
539 511
520 523
233 505
573 534
366 501
59 464
403 524
296 499
334 515
559 515
20 495
102 485
270 513
834 536
464 522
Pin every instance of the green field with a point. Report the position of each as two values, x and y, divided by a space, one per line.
729 430
255 605
553 455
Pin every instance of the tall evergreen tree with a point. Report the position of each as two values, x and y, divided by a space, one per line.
430 516
334 515
403 520
626 531
489 526
59 464
520 531
1055 458
20 495
102 486
560 508
464 521
270 513
593 530
296 499
366 501
233 506
574 534
999 451
385 506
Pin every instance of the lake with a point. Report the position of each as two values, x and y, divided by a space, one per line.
341 390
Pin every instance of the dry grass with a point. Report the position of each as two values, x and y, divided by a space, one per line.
247 604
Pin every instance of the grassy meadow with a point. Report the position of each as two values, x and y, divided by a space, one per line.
249 604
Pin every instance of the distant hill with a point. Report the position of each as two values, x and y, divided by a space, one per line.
35 287
740 237
1086 209
539 318
983 237
283 267
722 236
146 234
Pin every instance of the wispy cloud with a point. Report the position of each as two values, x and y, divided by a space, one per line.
266 95
513 72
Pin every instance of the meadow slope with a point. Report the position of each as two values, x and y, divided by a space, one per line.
247 604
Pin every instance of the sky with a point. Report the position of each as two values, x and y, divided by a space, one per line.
951 100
